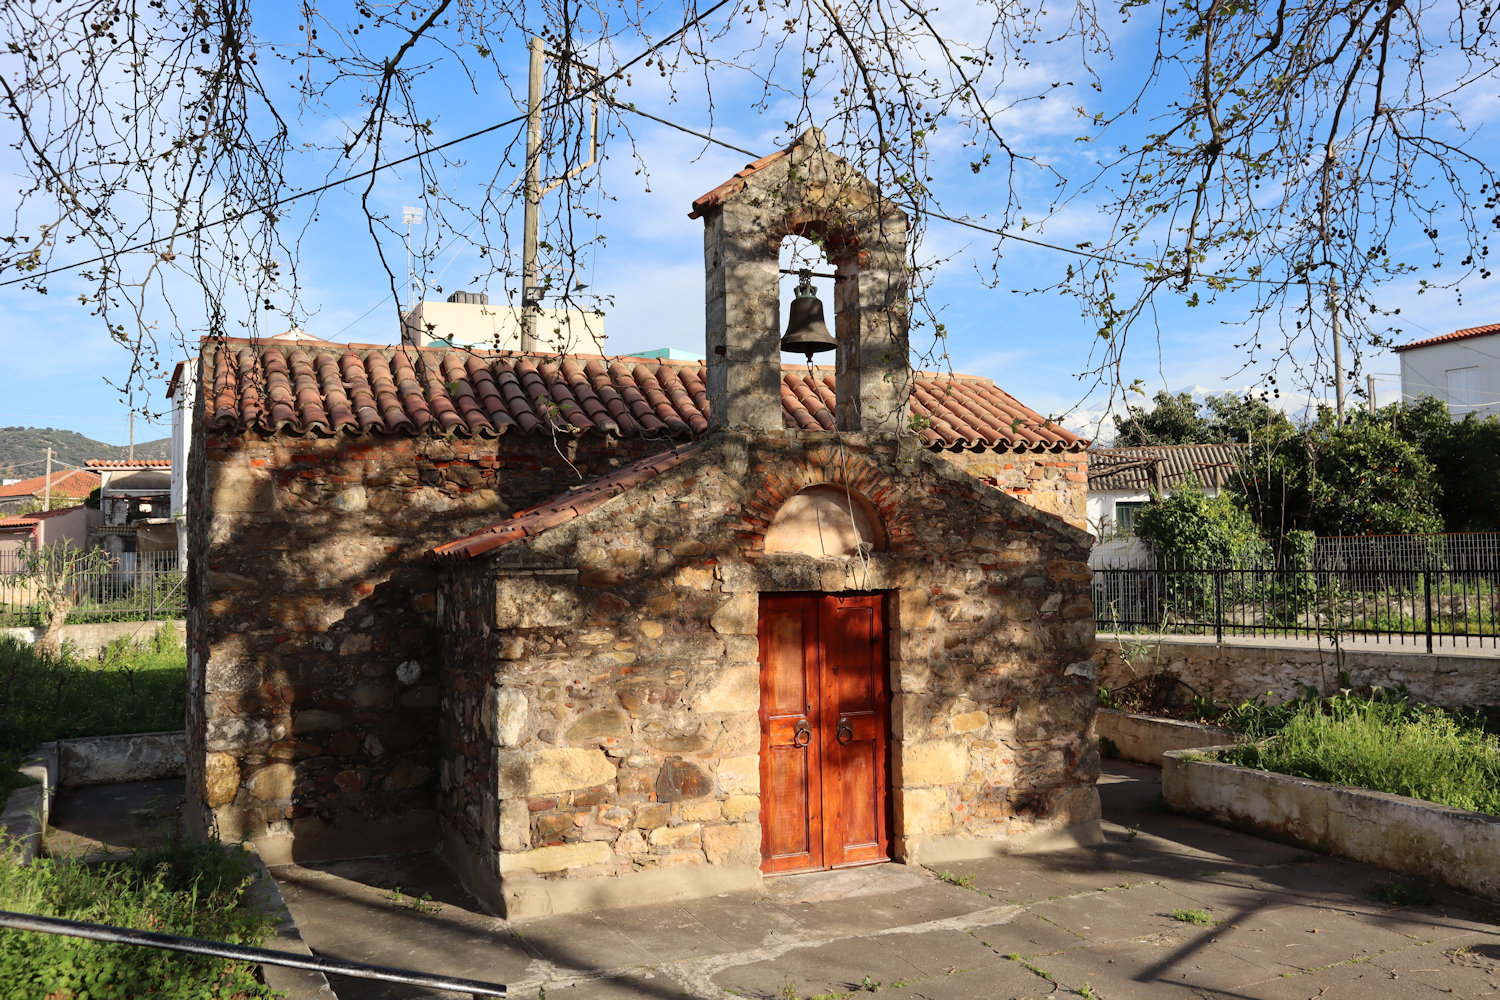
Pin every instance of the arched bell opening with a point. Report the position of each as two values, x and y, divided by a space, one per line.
826 520
805 301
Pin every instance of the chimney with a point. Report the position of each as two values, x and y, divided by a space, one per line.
805 190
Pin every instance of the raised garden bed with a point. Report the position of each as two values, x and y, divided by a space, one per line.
1144 738
1453 846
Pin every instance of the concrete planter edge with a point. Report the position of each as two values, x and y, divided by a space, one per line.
1455 847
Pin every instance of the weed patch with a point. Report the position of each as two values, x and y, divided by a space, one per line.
1398 893
1199 918
1386 744
194 889
129 688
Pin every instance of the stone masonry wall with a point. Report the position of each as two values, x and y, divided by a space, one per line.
312 652
1055 483
1243 669
619 680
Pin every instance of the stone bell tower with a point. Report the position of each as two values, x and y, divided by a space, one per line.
805 190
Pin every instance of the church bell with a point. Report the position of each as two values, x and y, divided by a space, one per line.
806 333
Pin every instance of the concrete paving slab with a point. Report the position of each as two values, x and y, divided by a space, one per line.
1117 914
1028 935
102 818
1465 970
1099 916
1003 981
1155 966
841 966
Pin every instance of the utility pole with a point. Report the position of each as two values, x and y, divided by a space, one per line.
1338 350
530 284
47 483
1370 391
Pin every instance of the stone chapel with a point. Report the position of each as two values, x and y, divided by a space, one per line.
613 630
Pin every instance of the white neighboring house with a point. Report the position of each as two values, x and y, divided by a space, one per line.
1461 368
468 319
1121 481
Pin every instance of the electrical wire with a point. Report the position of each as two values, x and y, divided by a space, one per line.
372 171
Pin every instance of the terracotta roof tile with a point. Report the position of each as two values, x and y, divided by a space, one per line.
322 389
1211 466
77 483
143 463
1473 331
736 183
32 520
558 510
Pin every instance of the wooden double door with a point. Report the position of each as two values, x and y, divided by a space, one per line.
824 716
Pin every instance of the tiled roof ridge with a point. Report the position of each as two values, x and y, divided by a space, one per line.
736 183
1135 448
125 463
1464 334
62 482
325 390
577 501
35 517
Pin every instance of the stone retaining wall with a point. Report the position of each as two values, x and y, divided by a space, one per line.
1452 846
1144 738
1241 670
91 637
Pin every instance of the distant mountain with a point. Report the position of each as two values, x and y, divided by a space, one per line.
23 450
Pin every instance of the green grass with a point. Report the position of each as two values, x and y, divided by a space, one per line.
1200 918
128 688
194 889
1385 744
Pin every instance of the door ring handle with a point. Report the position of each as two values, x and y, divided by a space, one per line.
802 734
845 732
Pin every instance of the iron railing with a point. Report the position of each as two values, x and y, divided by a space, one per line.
478 989
136 586
1421 605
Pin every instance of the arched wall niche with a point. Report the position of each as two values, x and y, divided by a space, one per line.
826 520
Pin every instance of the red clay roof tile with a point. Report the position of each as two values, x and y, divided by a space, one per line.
736 183
407 390
121 463
77 483
558 510
1473 331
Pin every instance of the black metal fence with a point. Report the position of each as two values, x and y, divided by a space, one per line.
138 586
1426 604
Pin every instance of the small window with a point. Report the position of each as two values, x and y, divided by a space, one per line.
1125 511
1463 387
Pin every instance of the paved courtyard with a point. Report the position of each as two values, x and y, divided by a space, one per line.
1166 908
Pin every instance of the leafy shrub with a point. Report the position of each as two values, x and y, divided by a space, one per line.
193 889
132 689
1388 745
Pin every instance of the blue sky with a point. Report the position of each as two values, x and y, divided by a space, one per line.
58 358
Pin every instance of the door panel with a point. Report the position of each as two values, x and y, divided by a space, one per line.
790 759
824 711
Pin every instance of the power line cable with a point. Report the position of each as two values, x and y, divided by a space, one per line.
582 92
1004 234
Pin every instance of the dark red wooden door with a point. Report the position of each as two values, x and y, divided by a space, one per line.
823 713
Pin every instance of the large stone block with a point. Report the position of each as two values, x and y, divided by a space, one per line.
549 771
737 844
731 690
221 779
923 811
522 603
737 615
555 859
740 775
932 762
